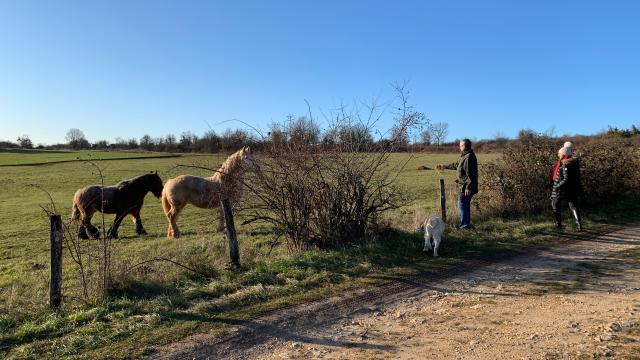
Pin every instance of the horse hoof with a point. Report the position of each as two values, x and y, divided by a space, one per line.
83 236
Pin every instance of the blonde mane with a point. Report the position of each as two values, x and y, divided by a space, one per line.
230 167
230 174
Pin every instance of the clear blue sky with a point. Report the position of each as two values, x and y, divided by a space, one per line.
129 68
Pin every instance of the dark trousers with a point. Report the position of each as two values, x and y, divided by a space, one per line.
464 204
556 205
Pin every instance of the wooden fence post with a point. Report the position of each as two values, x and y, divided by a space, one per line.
443 201
234 252
55 286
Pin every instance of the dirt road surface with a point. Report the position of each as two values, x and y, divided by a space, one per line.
579 299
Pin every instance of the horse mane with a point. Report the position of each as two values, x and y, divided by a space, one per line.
229 166
123 184
133 181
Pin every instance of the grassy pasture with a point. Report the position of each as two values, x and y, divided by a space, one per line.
166 302
26 157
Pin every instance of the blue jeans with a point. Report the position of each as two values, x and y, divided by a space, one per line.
464 204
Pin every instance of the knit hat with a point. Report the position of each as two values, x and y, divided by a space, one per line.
568 151
568 144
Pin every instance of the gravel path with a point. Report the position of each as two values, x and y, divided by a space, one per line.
579 299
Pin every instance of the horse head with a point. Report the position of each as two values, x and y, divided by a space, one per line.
249 161
155 184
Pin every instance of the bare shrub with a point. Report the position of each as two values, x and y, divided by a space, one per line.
520 182
93 259
610 169
329 194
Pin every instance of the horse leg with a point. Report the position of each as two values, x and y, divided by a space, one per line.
138 222
81 217
173 232
86 223
82 232
113 230
220 227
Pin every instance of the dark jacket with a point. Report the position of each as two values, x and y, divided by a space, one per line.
567 184
466 171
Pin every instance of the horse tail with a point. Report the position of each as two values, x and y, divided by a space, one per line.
75 212
166 205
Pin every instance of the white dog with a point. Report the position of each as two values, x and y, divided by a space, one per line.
433 228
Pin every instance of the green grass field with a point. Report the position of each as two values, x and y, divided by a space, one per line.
165 302
30 157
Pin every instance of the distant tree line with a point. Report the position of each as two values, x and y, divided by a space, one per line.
304 131
625 133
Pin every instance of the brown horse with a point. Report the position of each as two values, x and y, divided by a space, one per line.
206 192
124 198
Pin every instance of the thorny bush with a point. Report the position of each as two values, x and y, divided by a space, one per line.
520 182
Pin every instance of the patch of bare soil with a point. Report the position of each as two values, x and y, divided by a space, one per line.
577 300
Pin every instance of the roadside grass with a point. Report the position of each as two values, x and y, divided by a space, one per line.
160 303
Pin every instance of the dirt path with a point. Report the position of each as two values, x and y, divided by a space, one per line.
579 299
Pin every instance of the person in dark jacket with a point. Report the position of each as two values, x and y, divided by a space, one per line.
566 185
467 180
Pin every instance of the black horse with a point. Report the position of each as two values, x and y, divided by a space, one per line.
122 199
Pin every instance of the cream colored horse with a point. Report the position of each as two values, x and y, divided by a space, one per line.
206 192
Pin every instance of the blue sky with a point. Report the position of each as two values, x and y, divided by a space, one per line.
129 68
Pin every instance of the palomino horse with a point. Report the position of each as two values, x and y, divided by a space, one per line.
122 199
206 192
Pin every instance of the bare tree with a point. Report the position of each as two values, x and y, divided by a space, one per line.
76 139
439 132
233 139
187 141
425 137
500 136
357 135
170 142
276 134
527 135
303 131
146 142
25 142
400 136
100 144
132 143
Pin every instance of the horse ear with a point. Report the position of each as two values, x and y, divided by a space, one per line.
247 149
156 172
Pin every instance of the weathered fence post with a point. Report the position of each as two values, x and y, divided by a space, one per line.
55 286
234 252
443 201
